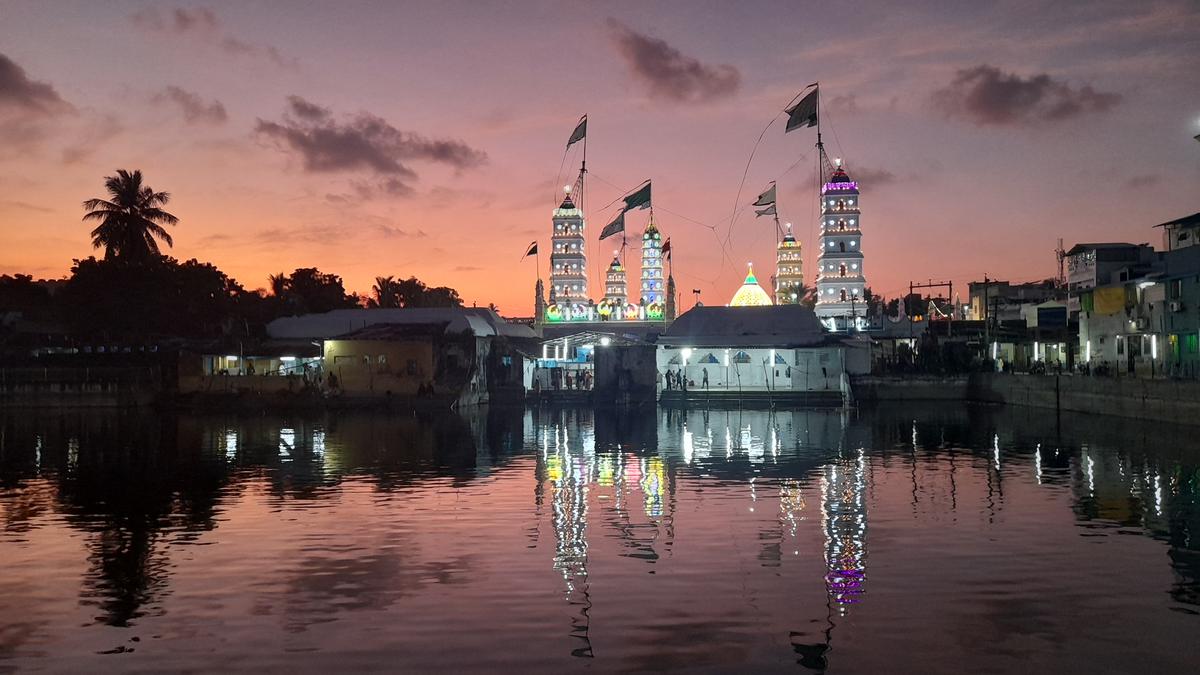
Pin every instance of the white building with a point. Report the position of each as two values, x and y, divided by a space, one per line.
840 276
789 270
653 284
568 258
774 351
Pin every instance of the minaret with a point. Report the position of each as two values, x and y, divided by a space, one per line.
840 281
615 291
669 308
789 270
539 303
568 259
652 265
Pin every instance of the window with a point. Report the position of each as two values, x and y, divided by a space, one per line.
381 359
741 357
1175 289
1191 343
842 246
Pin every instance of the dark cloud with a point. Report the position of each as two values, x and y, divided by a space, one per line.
871 178
180 20
468 268
669 74
195 110
25 206
307 110
18 92
1143 181
985 95
363 142
203 25
97 131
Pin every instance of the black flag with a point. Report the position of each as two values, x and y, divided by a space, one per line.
769 211
579 133
532 250
766 198
804 113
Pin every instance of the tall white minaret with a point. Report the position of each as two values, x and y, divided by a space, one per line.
789 270
615 290
840 280
653 284
568 257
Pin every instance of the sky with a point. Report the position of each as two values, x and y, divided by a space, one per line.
426 138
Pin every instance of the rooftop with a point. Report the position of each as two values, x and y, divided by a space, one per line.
769 326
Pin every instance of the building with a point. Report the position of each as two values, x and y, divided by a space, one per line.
568 257
1092 265
750 294
789 270
840 280
653 284
1181 233
615 290
467 355
775 353
1004 301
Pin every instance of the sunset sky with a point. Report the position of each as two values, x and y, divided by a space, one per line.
425 138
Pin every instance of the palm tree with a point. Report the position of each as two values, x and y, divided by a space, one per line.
130 219
386 293
279 284
808 296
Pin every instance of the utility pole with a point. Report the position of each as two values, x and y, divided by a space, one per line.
940 284
986 327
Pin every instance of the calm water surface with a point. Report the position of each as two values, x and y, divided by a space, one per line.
906 539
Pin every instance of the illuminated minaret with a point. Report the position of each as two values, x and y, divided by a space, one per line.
840 281
615 292
568 260
652 265
789 270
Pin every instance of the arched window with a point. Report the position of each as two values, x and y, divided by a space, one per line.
842 270
843 295
711 358
842 246
741 357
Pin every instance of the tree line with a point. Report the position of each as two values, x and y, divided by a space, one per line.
136 291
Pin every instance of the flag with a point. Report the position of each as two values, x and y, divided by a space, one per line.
666 247
617 225
639 199
804 113
579 133
532 250
766 198
769 211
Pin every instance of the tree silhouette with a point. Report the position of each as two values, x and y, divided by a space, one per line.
129 219
386 293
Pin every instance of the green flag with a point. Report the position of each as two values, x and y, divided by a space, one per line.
579 133
639 199
617 225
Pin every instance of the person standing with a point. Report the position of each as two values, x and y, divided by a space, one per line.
704 381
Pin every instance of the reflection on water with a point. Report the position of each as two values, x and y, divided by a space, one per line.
542 539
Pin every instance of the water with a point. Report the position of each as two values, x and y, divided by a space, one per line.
903 539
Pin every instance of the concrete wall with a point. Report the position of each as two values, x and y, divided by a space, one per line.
1176 401
625 374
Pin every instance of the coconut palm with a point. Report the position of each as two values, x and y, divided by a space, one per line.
130 219
279 284
386 293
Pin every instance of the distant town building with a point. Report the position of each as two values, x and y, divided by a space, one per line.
840 277
1004 301
1181 233
1091 265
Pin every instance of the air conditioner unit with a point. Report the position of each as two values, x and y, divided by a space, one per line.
1175 305
1142 323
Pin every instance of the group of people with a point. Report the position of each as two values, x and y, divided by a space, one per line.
676 379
